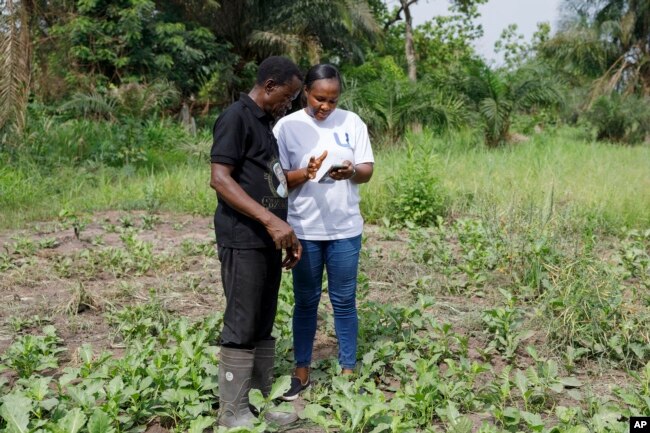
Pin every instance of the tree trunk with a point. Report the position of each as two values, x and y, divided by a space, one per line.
408 38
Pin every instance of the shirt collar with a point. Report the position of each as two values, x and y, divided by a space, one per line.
255 109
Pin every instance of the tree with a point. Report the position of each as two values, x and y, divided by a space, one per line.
498 96
607 39
466 8
131 40
304 29
516 51
381 93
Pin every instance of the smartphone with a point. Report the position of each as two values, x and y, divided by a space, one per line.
326 176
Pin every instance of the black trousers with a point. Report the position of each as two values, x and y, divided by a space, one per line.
251 281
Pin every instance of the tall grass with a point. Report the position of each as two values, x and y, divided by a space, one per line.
27 194
555 173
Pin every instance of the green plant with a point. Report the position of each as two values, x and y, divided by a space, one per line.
138 321
24 247
265 404
620 118
47 243
499 96
149 221
417 195
503 325
190 247
482 249
350 411
637 396
6 262
70 218
587 307
30 354
635 255
19 324
126 221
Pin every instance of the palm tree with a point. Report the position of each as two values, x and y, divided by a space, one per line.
301 28
391 106
15 62
499 96
607 39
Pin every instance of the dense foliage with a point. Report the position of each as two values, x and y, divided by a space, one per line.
67 57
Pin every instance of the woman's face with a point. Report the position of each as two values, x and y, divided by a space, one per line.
322 97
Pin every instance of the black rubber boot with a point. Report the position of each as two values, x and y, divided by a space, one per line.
263 379
235 371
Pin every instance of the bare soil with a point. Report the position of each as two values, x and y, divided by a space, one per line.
53 282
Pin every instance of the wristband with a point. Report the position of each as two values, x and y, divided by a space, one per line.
307 174
354 172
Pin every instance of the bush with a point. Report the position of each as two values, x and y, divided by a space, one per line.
618 118
417 196
48 142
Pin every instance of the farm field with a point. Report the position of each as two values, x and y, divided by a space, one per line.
504 282
109 321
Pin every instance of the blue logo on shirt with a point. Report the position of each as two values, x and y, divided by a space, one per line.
347 140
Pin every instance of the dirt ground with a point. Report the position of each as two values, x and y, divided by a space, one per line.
49 279
48 275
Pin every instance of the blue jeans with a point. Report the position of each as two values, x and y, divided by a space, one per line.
341 259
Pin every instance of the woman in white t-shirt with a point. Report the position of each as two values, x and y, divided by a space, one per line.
324 213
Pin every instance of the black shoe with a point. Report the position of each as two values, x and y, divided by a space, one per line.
296 388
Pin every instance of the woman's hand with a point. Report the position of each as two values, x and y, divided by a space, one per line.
344 173
314 165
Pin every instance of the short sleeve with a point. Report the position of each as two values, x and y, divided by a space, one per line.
362 149
278 131
228 138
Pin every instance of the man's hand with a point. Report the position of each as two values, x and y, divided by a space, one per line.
292 256
314 165
281 233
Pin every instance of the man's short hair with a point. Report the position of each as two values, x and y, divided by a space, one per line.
279 69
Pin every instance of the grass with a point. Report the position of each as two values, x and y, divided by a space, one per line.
555 171
558 171
28 194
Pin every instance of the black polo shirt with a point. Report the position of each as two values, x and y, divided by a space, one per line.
243 138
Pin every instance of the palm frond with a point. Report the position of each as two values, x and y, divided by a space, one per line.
92 105
274 42
15 55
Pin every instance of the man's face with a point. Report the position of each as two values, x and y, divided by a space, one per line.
279 97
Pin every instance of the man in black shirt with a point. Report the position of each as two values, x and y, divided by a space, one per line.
251 229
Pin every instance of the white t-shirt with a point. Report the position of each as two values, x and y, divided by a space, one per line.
324 210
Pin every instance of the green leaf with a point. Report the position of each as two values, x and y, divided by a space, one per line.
15 411
461 425
256 398
280 386
201 423
285 407
570 382
381 428
115 386
316 413
49 404
533 420
73 421
39 388
99 422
